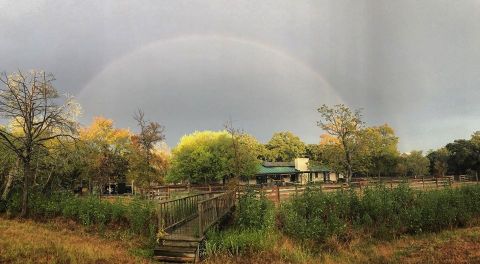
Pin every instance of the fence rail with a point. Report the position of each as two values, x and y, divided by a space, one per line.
280 193
213 209
169 192
175 212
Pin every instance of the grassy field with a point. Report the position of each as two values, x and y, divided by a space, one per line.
452 246
66 242
63 242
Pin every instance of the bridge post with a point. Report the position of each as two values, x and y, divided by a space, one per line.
200 219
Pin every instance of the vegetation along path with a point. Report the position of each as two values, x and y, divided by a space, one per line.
32 242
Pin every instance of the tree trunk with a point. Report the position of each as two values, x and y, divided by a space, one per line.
27 171
349 165
8 184
48 184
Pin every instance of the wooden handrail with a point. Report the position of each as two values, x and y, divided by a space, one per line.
213 209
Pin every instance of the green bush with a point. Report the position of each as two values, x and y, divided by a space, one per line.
383 212
238 242
138 215
252 230
254 212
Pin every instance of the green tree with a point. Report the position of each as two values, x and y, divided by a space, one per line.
285 146
463 156
148 162
379 149
105 150
31 101
208 156
439 161
413 163
417 163
313 152
343 124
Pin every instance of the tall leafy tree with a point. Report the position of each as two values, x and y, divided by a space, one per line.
417 163
148 160
208 156
285 146
439 161
379 146
105 149
413 164
344 124
33 103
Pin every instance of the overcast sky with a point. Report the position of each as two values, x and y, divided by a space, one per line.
267 65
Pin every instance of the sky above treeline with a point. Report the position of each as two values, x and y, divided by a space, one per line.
266 65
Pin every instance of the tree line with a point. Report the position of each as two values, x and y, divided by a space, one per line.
43 148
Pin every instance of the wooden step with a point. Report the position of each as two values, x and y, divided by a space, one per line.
175 252
174 259
179 243
182 238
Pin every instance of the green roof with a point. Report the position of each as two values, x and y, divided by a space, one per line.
276 170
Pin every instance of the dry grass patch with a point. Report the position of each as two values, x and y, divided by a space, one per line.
449 247
452 246
31 242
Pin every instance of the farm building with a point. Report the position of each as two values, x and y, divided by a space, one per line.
299 171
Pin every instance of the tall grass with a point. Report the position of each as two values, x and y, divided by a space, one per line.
385 213
252 230
137 216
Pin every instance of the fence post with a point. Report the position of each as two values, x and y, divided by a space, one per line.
423 182
278 194
200 218
209 188
296 190
476 176
436 181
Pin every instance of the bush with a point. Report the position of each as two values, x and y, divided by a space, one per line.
252 230
254 212
138 216
380 211
238 242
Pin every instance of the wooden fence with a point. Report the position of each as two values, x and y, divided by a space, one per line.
179 215
213 209
172 213
168 192
281 193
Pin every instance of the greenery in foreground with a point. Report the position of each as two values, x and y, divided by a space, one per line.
133 216
252 229
315 219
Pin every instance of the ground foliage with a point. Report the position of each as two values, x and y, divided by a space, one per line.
252 229
384 213
136 216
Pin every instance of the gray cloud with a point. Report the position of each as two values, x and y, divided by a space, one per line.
266 64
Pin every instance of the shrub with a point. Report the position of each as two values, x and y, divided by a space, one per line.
238 242
254 212
383 212
252 230
138 216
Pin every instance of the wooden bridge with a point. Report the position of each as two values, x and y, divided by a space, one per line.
183 222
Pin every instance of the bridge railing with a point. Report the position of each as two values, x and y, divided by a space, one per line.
213 209
172 213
